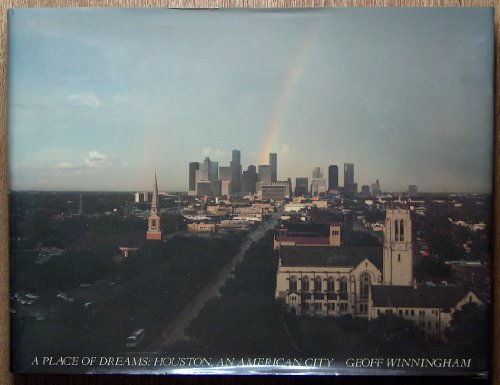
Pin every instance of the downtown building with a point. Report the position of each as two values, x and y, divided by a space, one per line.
350 187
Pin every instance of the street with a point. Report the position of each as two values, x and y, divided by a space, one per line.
176 328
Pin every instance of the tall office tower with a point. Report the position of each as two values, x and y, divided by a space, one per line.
317 173
205 166
225 173
213 171
273 162
350 188
318 183
249 180
236 156
202 175
365 191
265 174
154 229
193 166
348 173
376 192
301 186
412 191
235 166
289 186
333 177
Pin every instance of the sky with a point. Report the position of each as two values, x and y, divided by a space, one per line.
101 99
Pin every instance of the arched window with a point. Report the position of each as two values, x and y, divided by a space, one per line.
317 284
343 285
401 230
365 281
396 230
292 283
330 285
305 283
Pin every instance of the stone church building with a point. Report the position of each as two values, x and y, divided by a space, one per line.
333 280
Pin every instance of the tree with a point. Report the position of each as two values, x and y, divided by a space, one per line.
468 331
392 334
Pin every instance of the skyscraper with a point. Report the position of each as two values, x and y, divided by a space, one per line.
213 171
317 173
265 174
193 166
249 180
235 166
333 177
154 229
348 173
225 173
236 156
376 189
273 162
318 183
301 186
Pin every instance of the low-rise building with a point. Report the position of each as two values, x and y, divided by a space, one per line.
201 228
431 308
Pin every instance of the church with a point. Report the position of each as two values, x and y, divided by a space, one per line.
365 281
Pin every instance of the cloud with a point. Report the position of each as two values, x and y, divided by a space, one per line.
206 151
88 99
65 166
95 159
284 148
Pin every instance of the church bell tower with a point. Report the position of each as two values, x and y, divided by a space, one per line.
154 229
398 254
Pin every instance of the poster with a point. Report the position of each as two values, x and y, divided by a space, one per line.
251 191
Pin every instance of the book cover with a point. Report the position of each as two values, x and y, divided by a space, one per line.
265 191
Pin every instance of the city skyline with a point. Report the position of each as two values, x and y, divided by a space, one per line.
118 94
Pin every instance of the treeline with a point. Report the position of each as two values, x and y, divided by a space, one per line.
246 319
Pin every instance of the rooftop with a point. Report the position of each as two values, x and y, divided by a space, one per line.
423 296
342 256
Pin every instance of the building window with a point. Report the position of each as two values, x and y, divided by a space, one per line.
330 285
318 306
343 285
412 312
400 312
364 285
153 222
343 306
399 257
317 284
378 311
406 312
396 230
292 283
305 283
363 308
401 230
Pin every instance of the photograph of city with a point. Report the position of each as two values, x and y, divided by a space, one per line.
258 191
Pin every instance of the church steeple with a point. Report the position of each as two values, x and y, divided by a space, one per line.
154 201
154 228
398 254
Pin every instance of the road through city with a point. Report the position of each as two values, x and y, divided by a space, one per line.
176 328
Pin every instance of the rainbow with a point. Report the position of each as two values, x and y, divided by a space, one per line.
270 140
